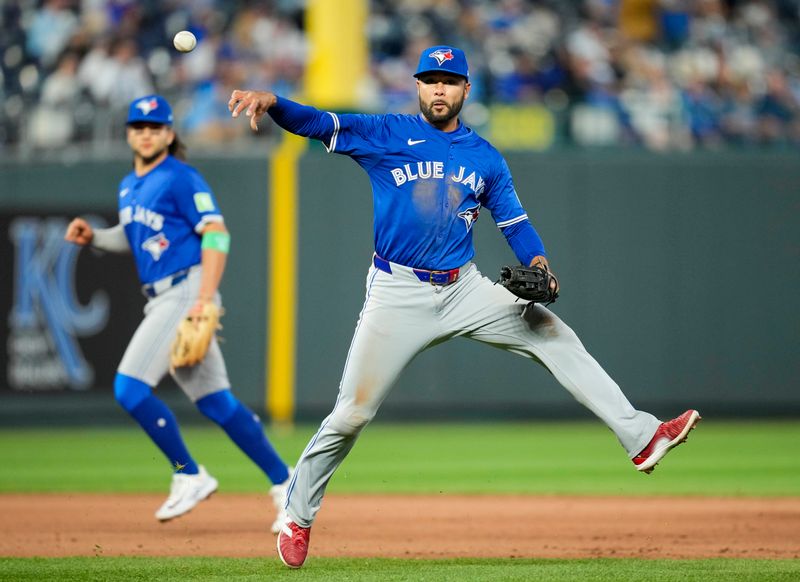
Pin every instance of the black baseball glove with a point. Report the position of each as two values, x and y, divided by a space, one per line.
529 283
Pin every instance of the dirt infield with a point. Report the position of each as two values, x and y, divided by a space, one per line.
409 527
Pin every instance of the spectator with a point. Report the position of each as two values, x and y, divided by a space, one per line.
777 112
130 77
207 120
658 74
50 30
52 124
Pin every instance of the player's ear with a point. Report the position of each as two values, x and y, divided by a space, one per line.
170 136
467 88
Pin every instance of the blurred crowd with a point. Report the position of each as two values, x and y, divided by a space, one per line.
657 74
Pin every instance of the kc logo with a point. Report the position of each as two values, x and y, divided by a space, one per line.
46 318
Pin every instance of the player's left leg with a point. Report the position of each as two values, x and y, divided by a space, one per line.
244 428
207 385
493 315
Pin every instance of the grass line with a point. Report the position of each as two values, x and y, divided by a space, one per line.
720 459
391 570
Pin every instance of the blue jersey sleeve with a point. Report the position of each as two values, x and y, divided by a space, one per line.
194 199
500 197
524 241
360 136
356 135
303 120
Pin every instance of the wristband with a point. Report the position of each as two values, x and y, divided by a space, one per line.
217 241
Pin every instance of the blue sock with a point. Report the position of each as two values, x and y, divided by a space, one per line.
156 419
244 429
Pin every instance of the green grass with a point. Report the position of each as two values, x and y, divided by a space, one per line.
721 458
387 570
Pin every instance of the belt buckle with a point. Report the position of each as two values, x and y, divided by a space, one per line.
450 278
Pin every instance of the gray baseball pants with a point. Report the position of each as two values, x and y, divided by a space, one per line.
147 356
403 316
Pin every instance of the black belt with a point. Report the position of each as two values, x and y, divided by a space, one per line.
157 287
433 277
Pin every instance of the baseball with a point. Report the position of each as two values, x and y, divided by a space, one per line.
184 41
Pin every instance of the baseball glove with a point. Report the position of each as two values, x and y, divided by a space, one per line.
194 336
529 283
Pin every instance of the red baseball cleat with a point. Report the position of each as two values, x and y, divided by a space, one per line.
293 543
668 436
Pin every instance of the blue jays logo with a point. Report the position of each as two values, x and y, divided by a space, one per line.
470 215
147 105
156 245
442 55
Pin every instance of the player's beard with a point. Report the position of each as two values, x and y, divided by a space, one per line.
441 118
152 158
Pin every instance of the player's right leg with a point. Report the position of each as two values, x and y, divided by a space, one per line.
494 316
191 483
156 419
144 364
396 323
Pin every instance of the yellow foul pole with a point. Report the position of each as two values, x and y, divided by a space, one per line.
282 312
338 61
336 68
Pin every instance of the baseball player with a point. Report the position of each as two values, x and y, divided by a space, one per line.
431 178
171 223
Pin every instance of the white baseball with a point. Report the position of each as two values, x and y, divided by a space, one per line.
184 41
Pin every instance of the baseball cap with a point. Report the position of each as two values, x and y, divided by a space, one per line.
442 58
151 108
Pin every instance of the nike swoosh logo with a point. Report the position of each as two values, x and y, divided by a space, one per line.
412 142
123 193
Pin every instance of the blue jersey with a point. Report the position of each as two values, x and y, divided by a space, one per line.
163 213
428 186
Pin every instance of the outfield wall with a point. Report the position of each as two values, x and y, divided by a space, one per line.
678 272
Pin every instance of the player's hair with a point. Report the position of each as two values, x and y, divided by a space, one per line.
177 149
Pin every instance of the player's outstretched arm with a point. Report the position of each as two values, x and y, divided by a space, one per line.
79 232
254 103
302 120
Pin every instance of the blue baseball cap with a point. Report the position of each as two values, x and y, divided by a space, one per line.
445 59
151 108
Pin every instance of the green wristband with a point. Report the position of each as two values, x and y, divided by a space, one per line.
217 241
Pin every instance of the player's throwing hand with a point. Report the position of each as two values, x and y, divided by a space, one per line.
79 232
256 104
